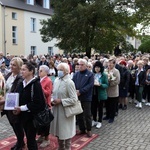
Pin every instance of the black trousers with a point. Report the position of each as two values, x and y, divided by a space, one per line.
84 119
97 108
30 132
44 131
111 104
17 128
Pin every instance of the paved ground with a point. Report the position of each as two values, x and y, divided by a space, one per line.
130 131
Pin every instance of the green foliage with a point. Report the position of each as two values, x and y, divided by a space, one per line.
145 38
86 24
145 47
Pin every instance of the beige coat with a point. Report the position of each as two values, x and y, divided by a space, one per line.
113 88
62 126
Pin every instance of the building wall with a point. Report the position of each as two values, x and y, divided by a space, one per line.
135 42
34 38
14 49
1 30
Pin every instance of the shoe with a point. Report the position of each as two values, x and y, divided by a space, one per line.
135 102
45 143
147 104
124 107
89 133
98 125
17 147
120 106
105 118
80 132
111 121
143 100
40 139
140 105
137 105
94 123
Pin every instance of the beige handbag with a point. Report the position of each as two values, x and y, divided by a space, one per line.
73 110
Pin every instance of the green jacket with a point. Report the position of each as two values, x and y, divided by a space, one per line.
102 92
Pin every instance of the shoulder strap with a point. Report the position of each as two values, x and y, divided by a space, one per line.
32 92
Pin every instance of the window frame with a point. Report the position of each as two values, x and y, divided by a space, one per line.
33 24
15 15
30 2
33 50
46 4
14 35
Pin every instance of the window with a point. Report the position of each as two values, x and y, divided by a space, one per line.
46 4
33 50
14 15
33 25
30 2
14 34
50 51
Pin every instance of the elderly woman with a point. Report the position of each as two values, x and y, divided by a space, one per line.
140 78
64 94
47 90
113 90
13 79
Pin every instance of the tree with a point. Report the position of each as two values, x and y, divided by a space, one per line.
145 47
86 24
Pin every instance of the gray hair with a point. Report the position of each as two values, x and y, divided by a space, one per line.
83 61
65 67
45 68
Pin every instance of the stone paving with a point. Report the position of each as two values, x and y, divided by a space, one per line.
130 131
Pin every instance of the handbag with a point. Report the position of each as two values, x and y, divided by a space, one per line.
44 117
73 110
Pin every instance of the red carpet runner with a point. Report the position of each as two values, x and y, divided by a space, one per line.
78 142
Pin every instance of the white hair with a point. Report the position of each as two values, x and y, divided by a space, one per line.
45 68
65 67
83 61
90 64
130 62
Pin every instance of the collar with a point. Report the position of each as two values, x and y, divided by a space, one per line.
42 78
25 84
140 70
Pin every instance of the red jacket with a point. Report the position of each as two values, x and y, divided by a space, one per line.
47 89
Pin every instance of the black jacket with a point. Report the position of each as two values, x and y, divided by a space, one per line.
141 77
124 78
34 105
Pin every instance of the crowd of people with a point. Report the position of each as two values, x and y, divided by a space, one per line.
103 84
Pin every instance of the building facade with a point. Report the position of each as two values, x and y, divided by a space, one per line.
20 25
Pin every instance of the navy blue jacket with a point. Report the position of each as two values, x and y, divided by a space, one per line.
84 82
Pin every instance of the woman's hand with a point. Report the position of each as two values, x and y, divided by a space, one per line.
56 102
16 111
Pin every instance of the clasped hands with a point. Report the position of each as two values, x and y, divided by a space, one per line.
16 111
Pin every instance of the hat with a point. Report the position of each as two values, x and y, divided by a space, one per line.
122 62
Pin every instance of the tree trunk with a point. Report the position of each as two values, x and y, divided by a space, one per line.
88 52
